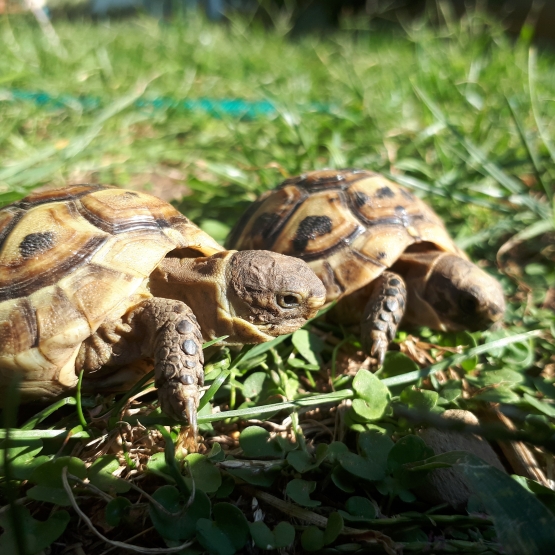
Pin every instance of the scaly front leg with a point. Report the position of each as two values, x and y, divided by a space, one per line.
173 339
382 315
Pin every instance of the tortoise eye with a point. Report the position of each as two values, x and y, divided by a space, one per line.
468 304
289 300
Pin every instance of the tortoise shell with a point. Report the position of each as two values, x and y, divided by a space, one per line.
70 259
348 225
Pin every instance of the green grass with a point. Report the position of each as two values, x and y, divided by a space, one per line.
463 114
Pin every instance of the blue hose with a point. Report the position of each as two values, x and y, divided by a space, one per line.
215 107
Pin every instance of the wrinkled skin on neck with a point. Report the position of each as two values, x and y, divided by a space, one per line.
251 296
447 292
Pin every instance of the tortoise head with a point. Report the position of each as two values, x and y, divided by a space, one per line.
272 292
462 295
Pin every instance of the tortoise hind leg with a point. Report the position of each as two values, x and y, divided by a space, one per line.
382 315
173 339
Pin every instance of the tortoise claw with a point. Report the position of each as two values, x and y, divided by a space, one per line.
191 413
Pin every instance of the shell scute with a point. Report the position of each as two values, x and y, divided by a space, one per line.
18 328
31 259
262 222
99 292
319 228
60 325
118 211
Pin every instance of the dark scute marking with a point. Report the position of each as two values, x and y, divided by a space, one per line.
27 204
161 223
385 316
190 363
384 192
400 210
392 292
265 224
310 228
382 255
36 243
407 195
189 347
394 281
54 273
379 325
360 199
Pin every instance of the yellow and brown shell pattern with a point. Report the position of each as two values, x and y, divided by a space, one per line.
348 225
69 260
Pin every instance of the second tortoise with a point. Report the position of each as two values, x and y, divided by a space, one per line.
380 251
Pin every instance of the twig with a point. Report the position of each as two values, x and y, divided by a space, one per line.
121 545
130 539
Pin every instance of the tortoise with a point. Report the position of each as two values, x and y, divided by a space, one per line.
113 281
380 251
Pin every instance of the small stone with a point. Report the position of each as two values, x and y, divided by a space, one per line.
184 327
189 347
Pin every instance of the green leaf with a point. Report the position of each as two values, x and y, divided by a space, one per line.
301 461
300 490
18 451
497 395
117 510
282 535
38 535
57 496
360 467
101 475
226 488
256 443
360 508
50 473
451 390
375 447
309 346
333 528
466 339
207 477
232 522
343 479
157 465
179 523
256 476
419 399
312 539
408 449
396 363
373 396
253 384
213 539
262 535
